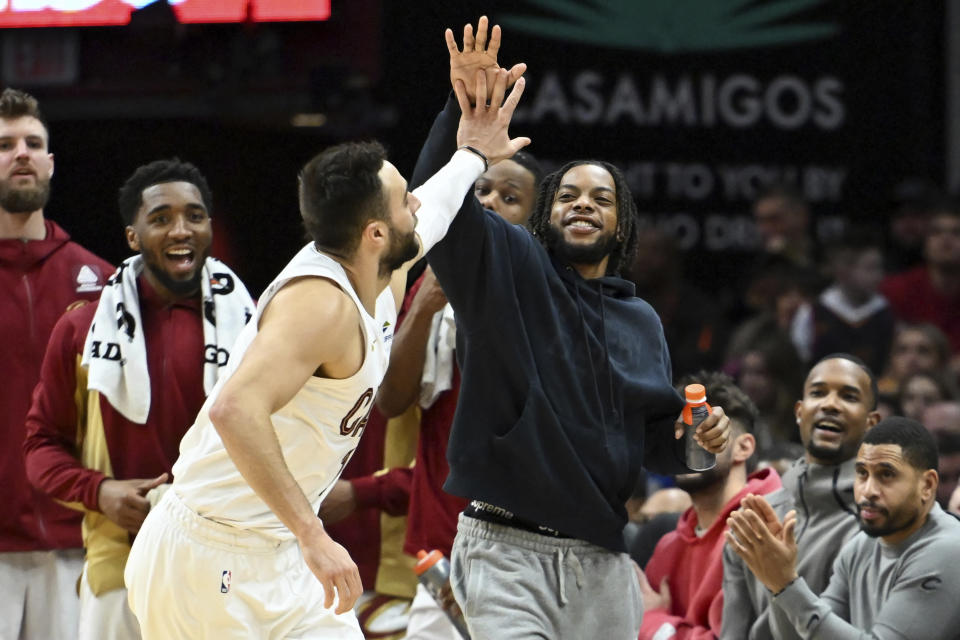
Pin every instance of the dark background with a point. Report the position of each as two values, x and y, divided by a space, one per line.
223 97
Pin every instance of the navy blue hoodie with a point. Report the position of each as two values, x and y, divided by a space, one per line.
566 383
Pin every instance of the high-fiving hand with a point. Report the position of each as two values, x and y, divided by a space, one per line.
478 54
484 126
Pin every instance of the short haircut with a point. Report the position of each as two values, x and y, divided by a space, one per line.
627 216
19 104
529 162
340 191
918 446
160 172
874 391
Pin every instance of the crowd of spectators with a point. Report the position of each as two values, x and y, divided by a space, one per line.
890 304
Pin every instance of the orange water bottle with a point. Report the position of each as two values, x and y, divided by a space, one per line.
433 572
694 412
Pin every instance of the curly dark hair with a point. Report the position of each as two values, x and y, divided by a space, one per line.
160 172
627 216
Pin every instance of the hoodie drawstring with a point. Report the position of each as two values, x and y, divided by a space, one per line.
565 557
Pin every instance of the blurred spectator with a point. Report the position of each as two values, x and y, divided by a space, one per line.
921 390
769 372
916 348
887 405
931 292
782 295
954 505
850 315
913 201
41 274
783 219
669 500
125 461
943 421
653 519
681 584
692 321
835 410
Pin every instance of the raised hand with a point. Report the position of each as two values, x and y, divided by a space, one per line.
483 126
770 555
125 501
478 54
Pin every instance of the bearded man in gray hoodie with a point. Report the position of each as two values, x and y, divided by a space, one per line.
838 406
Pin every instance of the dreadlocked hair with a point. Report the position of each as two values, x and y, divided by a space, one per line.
627 216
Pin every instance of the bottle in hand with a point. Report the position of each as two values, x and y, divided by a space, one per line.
694 412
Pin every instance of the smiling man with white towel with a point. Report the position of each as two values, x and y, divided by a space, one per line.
123 380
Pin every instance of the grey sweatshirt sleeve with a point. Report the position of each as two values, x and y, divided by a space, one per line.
922 604
739 612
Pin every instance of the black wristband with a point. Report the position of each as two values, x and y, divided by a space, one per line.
478 153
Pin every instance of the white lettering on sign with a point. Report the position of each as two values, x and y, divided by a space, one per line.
786 102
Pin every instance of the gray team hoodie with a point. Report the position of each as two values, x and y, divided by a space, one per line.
826 519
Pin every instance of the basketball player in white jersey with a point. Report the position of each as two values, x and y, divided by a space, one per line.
235 548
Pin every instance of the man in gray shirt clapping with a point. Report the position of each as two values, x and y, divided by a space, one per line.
896 579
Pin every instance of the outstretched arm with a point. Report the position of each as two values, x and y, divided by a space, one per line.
483 139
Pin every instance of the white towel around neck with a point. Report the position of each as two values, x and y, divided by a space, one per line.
115 351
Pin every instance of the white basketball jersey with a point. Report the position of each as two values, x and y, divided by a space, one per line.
319 429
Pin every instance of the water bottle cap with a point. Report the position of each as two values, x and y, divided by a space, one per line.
695 394
426 560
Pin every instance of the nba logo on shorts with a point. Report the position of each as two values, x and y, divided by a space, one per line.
225 582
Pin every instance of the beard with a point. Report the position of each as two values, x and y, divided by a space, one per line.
694 483
403 248
829 455
893 524
592 253
25 199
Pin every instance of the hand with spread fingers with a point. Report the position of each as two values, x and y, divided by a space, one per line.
484 126
478 54
766 545
712 434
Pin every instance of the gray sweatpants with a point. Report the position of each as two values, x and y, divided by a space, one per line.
513 584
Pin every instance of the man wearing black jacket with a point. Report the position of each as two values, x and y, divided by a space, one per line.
566 392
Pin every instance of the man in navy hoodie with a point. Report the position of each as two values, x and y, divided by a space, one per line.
566 392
